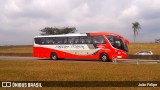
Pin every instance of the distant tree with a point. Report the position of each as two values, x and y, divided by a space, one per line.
136 27
55 30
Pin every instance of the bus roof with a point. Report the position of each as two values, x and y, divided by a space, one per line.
104 33
62 35
82 34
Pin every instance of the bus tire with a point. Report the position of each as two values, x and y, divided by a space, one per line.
53 56
104 57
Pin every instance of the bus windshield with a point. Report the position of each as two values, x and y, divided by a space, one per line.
117 43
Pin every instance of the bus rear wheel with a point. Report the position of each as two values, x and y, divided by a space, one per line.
53 56
104 57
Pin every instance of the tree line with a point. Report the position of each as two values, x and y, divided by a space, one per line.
56 30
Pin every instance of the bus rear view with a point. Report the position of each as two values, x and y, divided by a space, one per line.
91 46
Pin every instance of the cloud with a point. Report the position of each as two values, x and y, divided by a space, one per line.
21 20
130 12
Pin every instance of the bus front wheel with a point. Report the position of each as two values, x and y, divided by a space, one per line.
104 57
53 56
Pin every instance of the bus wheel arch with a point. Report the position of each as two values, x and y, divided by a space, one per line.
53 56
104 57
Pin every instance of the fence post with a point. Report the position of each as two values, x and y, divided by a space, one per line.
137 61
116 60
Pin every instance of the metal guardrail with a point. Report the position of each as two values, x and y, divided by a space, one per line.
135 61
146 57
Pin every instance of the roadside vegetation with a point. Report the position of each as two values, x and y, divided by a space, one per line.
16 49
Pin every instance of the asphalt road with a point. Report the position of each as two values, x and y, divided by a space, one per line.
123 61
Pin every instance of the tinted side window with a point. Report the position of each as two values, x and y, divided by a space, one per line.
38 40
116 42
59 40
65 40
98 40
50 40
46 40
111 40
73 40
85 40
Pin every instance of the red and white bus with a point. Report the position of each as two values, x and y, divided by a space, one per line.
94 46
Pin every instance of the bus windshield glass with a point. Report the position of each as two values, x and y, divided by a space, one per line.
117 43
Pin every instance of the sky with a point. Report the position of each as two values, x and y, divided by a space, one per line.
21 20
